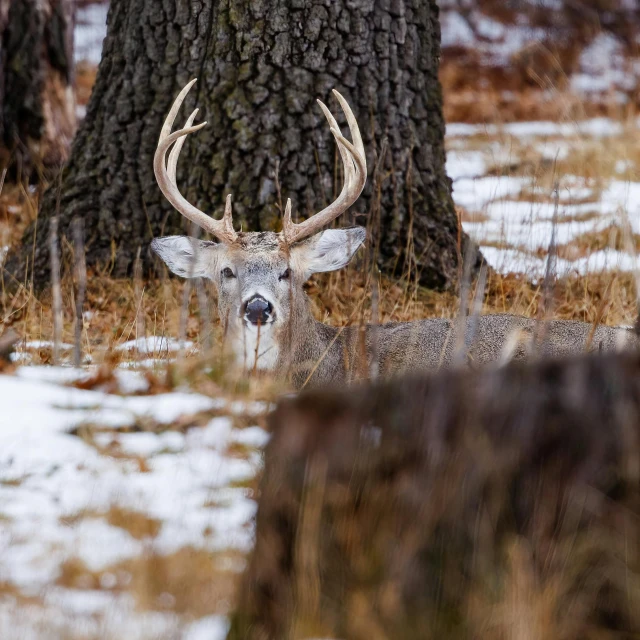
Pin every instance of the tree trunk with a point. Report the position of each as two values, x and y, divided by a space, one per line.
37 108
260 67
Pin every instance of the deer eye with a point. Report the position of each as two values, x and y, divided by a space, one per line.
227 273
285 275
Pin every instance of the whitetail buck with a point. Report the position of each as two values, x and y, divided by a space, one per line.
260 275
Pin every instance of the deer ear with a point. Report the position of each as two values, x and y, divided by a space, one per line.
186 257
330 250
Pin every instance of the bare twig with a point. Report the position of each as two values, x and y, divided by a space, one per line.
373 220
461 324
276 181
630 248
55 288
476 310
549 277
186 293
138 292
81 280
206 326
374 365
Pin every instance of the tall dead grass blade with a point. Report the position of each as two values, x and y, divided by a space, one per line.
80 269
461 323
374 365
545 308
476 309
138 292
186 293
56 291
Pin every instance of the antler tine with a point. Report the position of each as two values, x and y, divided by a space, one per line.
353 127
347 161
227 218
172 165
166 175
175 108
355 176
286 219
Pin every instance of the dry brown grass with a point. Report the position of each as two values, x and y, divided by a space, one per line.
117 312
138 525
85 79
334 297
190 582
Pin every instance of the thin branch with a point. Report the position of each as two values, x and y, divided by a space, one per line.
81 280
55 288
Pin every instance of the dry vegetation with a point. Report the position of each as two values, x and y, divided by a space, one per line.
533 80
119 311
534 88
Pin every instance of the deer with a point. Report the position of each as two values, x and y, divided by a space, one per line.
259 278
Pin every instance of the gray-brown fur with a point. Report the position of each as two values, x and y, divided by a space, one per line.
427 345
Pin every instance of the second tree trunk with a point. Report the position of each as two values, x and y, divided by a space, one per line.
37 108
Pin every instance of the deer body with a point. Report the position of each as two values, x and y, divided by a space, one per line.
259 277
326 355
337 355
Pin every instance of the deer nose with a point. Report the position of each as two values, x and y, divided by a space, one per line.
257 310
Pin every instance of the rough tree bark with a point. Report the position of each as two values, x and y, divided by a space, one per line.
261 64
37 107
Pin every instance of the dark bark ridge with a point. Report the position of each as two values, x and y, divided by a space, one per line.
261 65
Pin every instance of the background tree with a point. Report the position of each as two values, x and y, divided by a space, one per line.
37 109
261 64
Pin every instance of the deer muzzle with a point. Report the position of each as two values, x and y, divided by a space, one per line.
257 310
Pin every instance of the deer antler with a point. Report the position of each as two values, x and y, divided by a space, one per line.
355 176
166 174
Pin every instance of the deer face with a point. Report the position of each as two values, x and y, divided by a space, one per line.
259 276
259 281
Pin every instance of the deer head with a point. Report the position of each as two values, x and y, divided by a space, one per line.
259 275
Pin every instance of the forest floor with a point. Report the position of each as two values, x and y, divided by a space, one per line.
128 485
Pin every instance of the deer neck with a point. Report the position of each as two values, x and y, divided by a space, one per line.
305 347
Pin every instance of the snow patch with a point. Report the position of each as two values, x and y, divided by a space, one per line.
455 30
593 127
90 31
511 217
154 345
56 490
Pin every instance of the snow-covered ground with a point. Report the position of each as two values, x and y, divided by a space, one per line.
73 459
511 217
